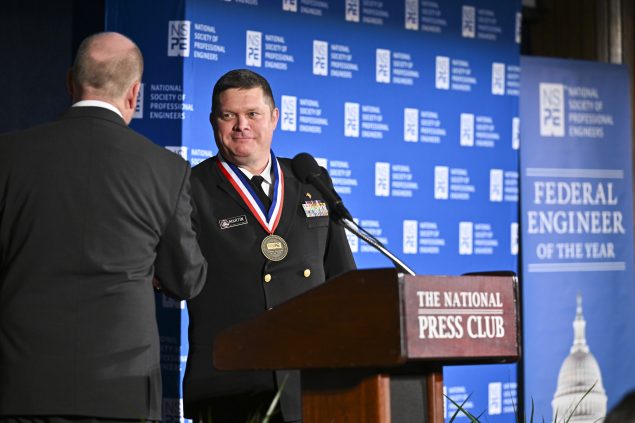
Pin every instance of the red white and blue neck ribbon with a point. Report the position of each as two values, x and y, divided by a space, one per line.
268 219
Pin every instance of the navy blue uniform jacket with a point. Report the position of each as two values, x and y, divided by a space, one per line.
236 289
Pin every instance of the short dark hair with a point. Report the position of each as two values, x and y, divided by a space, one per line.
242 79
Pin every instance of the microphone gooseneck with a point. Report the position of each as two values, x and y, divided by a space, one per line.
309 172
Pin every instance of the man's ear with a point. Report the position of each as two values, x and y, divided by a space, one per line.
133 93
275 115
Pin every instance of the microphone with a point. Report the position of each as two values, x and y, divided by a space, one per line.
308 171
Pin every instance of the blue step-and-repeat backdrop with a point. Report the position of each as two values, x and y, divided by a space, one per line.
411 105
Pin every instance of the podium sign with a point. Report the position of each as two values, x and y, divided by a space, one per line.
380 318
364 331
460 317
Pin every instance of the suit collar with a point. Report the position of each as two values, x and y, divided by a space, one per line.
98 103
93 112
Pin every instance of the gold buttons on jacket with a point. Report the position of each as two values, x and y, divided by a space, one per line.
267 277
307 273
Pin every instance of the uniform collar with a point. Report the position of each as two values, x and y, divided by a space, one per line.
266 173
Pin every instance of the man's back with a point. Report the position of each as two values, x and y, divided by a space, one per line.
86 205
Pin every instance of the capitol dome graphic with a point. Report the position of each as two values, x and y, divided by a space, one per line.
578 373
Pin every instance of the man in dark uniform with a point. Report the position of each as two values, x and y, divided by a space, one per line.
90 211
269 240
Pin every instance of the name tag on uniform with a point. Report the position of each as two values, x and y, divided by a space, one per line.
231 222
315 208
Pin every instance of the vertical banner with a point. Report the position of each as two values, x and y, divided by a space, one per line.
577 237
412 106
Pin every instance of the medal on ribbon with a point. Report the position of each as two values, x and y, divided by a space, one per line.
273 247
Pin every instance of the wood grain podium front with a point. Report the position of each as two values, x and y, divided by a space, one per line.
358 335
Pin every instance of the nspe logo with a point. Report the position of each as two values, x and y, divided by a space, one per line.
179 38
382 66
551 110
382 179
442 73
352 10
513 232
441 182
353 241
320 58
322 162
496 185
253 49
179 150
138 108
410 125
412 15
515 133
466 237
494 398
498 78
467 129
290 5
288 116
410 236
468 25
351 119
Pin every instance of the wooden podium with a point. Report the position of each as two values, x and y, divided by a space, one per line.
356 336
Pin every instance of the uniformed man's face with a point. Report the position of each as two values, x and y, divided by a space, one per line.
243 127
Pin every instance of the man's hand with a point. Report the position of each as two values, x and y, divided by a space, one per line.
156 283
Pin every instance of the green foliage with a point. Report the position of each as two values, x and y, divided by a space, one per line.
476 419
459 408
271 410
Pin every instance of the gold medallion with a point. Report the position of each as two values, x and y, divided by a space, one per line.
274 247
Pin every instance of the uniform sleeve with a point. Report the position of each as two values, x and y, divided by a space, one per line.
180 265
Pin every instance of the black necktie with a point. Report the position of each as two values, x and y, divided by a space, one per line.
256 182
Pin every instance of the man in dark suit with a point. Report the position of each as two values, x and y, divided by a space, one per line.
263 254
89 212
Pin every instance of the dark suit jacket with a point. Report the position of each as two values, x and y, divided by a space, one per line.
89 211
235 288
